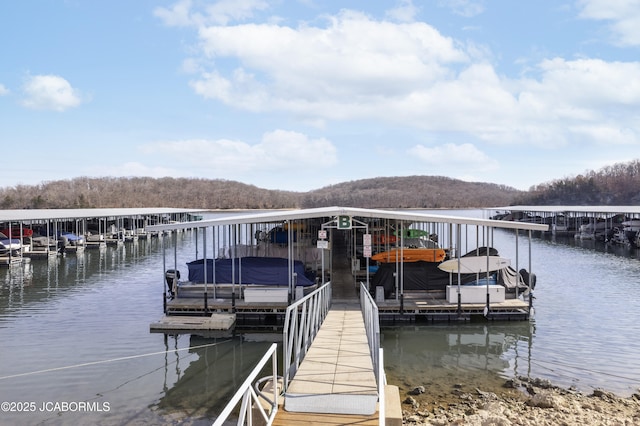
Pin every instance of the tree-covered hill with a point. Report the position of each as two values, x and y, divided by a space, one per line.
618 184
391 192
411 192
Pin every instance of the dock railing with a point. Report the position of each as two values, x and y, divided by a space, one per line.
372 327
251 403
301 324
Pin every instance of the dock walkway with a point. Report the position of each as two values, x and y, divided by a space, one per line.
336 376
336 383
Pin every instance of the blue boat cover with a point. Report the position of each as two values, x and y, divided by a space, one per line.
253 270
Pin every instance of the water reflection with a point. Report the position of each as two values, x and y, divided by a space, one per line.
622 250
446 354
82 322
200 383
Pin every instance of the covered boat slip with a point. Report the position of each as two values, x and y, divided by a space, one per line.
306 243
569 219
49 232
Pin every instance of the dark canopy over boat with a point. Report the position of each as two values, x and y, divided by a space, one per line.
427 275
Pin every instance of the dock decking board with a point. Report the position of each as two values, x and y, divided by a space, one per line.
285 418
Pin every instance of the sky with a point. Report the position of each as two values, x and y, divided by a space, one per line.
299 95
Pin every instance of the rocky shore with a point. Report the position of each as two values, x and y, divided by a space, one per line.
520 401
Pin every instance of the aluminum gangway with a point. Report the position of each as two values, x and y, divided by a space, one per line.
332 369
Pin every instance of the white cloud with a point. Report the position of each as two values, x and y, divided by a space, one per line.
573 96
222 12
592 82
279 151
179 15
409 74
50 92
450 155
466 8
404 12
623 15
3 90
607 134
225 11
331 72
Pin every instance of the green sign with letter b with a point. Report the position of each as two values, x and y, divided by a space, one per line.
344 222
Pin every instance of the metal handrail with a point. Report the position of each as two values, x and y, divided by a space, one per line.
302 322
372 327
249 397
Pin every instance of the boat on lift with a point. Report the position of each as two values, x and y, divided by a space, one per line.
406 254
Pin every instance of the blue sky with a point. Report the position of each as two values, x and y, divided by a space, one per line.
297 95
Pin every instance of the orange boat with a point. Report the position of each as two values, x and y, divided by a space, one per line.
410 255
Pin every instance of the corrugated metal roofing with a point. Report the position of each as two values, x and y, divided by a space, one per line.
278 216
576 209
62 214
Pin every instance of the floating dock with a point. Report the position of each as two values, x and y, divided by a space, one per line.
414 307
216 321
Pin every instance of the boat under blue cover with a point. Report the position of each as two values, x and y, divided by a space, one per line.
248 270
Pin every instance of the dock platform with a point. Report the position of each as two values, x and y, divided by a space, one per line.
40 254
192 323
413 306
435 307
10 260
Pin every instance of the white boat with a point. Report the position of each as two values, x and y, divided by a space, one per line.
560 224
9 245
631 225
619 236
593 231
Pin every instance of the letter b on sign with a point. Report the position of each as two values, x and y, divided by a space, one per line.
344 222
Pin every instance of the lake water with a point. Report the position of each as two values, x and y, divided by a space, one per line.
76 347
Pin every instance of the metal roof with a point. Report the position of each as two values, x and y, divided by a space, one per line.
69 214
575 209
282 215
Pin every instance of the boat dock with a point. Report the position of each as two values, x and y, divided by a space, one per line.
399 298
338 379
611 224
42 233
